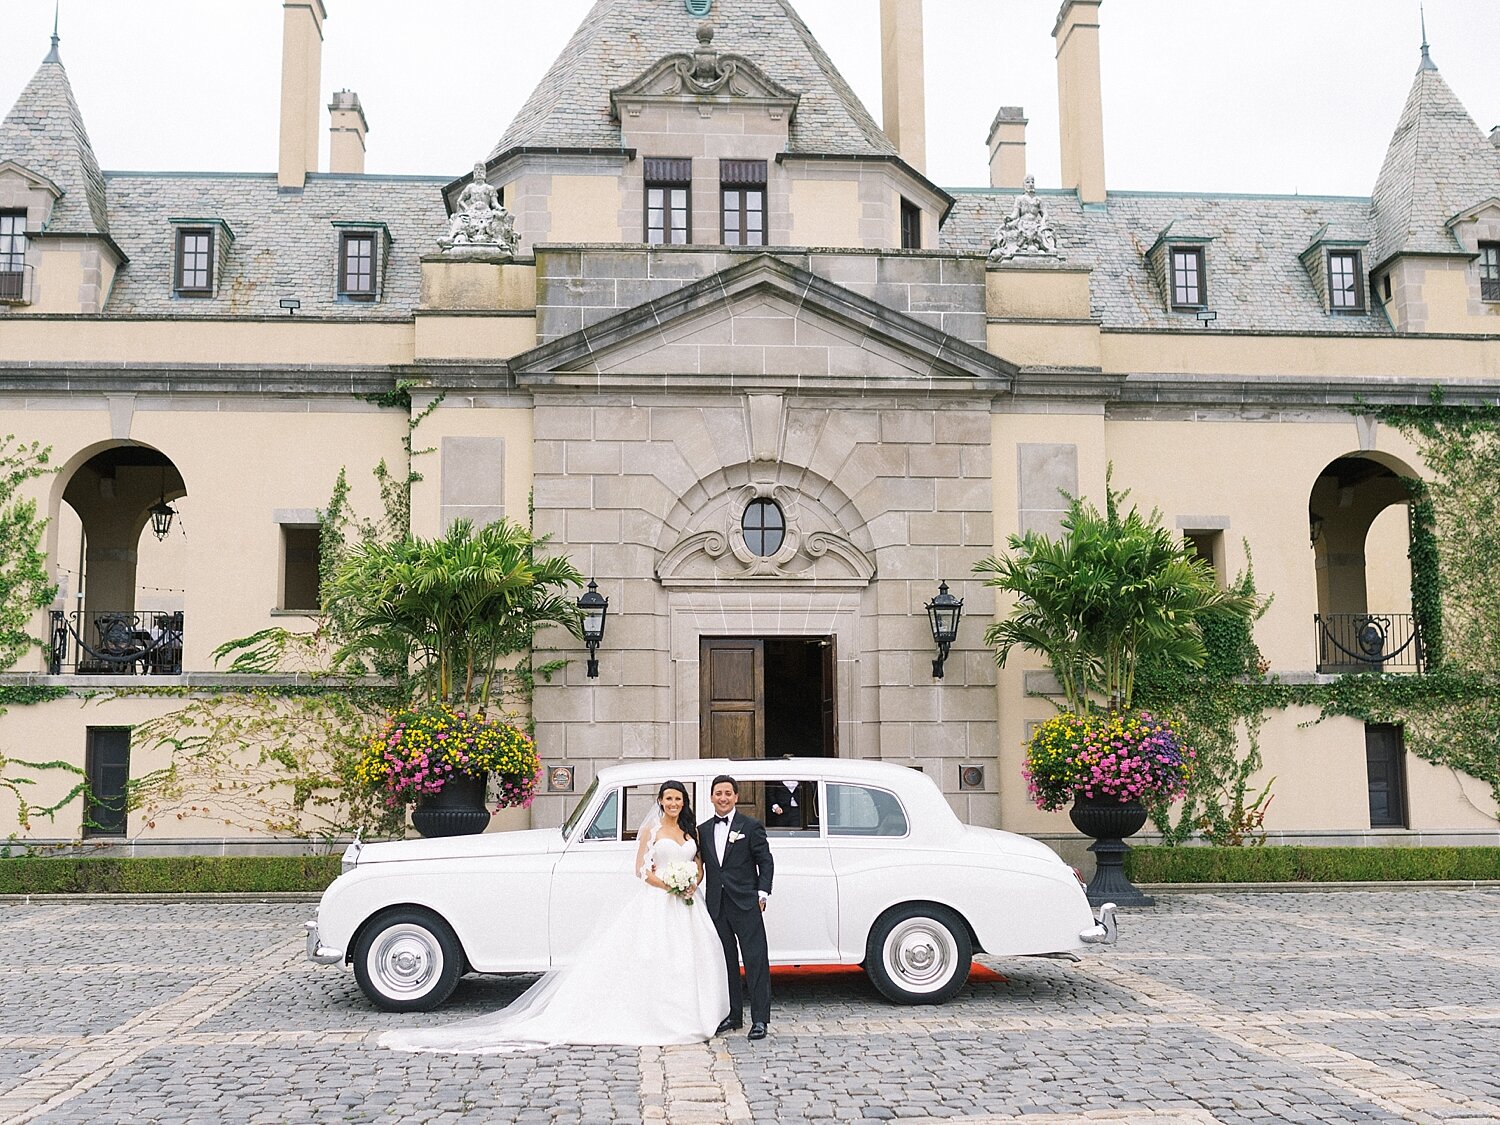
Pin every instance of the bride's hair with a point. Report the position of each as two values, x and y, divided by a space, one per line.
685 819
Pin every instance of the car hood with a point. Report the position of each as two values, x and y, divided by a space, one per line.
535 841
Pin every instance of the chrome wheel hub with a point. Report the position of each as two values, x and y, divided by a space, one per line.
404 961
921 955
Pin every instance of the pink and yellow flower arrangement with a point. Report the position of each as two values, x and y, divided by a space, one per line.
1116 757
421 749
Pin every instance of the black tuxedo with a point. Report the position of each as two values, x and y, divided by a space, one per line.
734 904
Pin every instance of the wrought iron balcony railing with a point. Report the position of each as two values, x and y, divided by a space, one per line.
116 643
1369 642
15 286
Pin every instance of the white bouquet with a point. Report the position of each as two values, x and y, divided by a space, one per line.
681 880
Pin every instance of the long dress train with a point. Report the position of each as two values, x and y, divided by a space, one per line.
652 975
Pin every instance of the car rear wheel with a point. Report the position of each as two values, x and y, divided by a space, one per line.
408 960
919 954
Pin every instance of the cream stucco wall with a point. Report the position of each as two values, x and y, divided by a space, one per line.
280 340
825 213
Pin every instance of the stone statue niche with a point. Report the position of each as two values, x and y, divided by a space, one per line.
1027 231
481 227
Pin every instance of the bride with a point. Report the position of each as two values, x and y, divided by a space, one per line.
652 975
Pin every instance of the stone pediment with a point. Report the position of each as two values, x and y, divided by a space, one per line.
764 323
702 74
1489 208
30 178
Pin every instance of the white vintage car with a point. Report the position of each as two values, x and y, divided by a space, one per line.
872 868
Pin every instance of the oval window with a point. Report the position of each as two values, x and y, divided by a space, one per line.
764 526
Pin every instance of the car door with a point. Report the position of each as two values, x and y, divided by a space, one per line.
868 835
594 877
802 916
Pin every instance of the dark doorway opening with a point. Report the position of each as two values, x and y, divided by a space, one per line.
107 768
767 697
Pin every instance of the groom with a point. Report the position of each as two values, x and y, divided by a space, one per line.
737 861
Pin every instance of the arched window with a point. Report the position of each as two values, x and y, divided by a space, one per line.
764 526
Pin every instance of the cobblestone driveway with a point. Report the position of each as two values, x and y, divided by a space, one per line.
1223 1008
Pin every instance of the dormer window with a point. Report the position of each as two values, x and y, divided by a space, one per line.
1489 271
1346 290
12 255
195 262
357 265
669 196
1188 283
742 193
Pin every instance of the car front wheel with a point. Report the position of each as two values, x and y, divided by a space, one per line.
408 960
919 954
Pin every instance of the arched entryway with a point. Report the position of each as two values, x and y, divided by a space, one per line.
1358 521
117 543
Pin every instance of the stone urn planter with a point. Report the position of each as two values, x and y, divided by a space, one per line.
1109 820
458 809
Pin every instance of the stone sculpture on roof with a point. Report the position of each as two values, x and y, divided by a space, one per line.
1028 229
707 73
481 224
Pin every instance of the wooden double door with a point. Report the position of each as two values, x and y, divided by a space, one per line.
767 697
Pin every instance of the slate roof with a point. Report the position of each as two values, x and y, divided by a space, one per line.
1439 164
570 106
1255 280
285 244
44 132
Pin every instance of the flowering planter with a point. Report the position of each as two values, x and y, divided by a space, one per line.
1108 820
458 809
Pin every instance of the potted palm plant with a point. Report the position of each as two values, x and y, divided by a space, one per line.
1113 588
451 611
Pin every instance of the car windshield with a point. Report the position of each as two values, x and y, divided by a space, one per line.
583 803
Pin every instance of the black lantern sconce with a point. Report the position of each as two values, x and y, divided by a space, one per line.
943 613
595 607
162 512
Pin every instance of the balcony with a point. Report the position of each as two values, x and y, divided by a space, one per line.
15 286
1369 642
115 643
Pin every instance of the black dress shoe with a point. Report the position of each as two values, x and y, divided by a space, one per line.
729 1023
757 1031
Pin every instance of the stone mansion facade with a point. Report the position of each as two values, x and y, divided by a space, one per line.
756 375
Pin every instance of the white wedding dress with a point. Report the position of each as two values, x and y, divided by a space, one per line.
652 975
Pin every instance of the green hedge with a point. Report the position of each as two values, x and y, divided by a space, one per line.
34 875
1309 865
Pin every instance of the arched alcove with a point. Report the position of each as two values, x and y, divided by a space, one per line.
1359 543
122 613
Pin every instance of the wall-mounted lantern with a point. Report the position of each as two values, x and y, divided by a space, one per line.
943 613
162 512
595 607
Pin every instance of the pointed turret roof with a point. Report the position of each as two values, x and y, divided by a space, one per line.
44 133
1439 163
618 39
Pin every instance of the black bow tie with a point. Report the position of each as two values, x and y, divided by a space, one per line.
721 819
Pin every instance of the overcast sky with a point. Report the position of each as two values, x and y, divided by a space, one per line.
1200 95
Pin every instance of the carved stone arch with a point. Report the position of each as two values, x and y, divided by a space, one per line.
703 543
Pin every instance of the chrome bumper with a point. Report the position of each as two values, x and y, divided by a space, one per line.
1104 931
318 952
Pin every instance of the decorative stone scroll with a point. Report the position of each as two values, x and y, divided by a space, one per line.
481 226
1027 232
705 73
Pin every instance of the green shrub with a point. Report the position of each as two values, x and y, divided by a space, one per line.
1310 865
34 875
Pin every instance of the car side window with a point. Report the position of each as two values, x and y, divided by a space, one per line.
789 806
636 800
606 822
857 810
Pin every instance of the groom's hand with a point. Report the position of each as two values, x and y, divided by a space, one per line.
763 905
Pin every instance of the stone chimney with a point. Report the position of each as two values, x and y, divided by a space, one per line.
1008 148
902 80
1080 98
301 79
346 133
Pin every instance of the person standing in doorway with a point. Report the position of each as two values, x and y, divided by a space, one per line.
738 865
